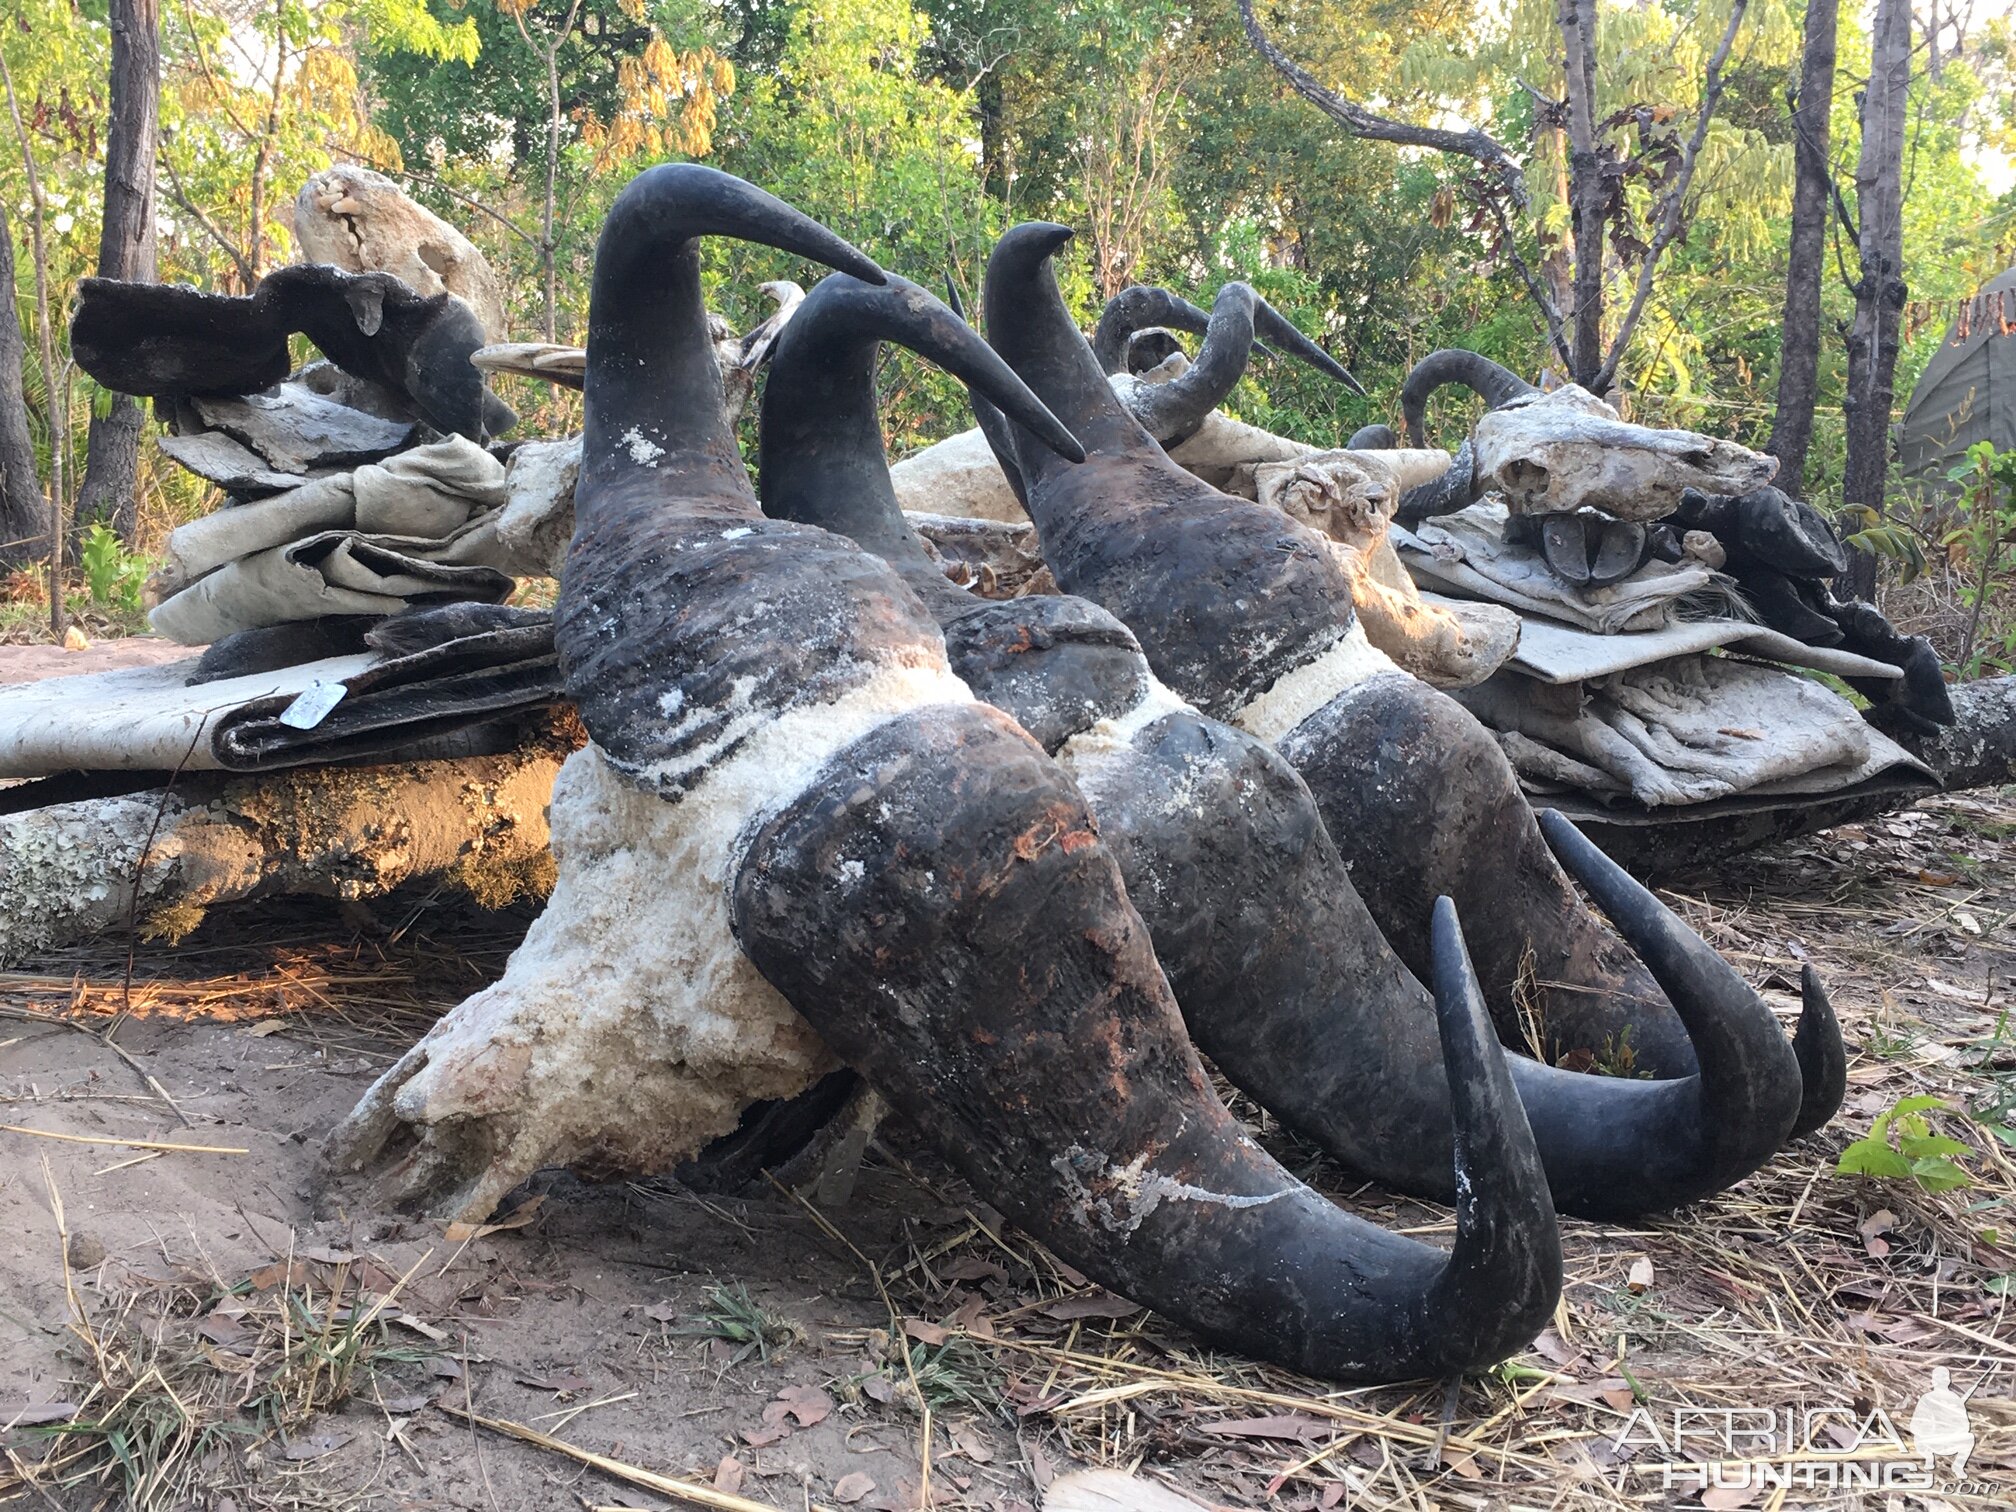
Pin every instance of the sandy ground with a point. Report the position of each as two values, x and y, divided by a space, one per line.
597 1315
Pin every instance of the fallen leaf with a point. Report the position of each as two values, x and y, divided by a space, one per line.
223 1330
33 1414
926 1333
1549 1347
1638 1280
1040 1469
973 1446
1730 1496
1937 879
728 1475
1967 921
315 1445
806 1405
973 1319
1610 1390
402 1406
323 1256
1095 1305
851 1488
972 1268
879 1388
663 1312
1872 1229
1464 1465
280 1272
1288 1425
768 1434
265 1027
461 1233
1333 1493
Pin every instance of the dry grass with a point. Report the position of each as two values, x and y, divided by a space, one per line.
189 1376
1800 1290
1932 605
370 991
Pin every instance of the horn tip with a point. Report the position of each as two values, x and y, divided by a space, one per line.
1822 1056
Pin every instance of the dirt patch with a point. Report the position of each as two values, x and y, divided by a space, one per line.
752 1343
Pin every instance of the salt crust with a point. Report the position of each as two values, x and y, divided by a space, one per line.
1351 660
629 1028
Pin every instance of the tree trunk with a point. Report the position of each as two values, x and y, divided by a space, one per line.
125 248
1880 291
24 512
1799 348
1585 187
70 871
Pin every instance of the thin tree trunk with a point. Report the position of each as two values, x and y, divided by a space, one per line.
125 248
45 341
24 512
1799 344
1880 291
1585 186
546 243
262 156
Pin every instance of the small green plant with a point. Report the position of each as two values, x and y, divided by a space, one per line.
1901 1145
1893 540
113 574
734 1317
1987 523
953 1376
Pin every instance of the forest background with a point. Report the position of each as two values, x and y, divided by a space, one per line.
920 131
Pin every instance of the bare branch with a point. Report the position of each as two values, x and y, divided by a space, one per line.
1360 122
1671 208
189 207
1537 291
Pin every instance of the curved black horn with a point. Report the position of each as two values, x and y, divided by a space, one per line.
1496 385
821 454
1455 489
1136 309
1749 1081
995 428
1172 411
1087 1118
657 409
1823 1058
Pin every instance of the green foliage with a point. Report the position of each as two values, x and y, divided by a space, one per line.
1901 1145
113 575
1987 523
921 128
732 1316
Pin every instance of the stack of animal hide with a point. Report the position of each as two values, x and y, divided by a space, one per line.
1623 694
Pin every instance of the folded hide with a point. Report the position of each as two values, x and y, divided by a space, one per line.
332 572
396 703
1688 730
428 492
137 719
